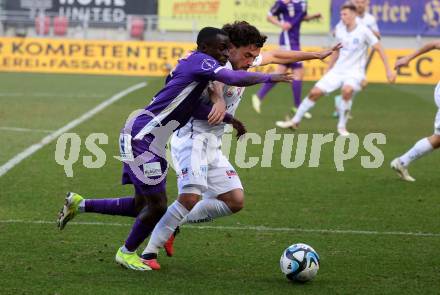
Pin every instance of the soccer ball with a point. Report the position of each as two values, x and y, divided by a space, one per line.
299 262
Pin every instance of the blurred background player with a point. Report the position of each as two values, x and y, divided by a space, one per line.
368 20
288 15
203 171
427 144
345 70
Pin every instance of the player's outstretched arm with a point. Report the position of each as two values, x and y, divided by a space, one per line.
291 56
333 58
310 17
391 76
404 61
283 25
244 78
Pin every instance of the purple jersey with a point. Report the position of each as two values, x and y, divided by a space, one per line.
181 94
143 139
293 12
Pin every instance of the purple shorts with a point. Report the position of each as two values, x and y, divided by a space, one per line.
150 176
294 47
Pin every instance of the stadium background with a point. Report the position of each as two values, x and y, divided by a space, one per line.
63 30
375 234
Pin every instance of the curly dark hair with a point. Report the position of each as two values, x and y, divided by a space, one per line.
241 33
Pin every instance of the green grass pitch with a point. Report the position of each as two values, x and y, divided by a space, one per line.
351 218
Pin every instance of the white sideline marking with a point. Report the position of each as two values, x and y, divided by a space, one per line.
251 228
72 124
24 129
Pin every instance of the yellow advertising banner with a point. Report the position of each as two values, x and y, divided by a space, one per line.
188 15
136 58
132 58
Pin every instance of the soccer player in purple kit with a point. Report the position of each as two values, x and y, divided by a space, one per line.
143 140
288 15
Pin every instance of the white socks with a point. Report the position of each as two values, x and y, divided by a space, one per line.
176 212
421 148
207 210
82 206
304 107
344 108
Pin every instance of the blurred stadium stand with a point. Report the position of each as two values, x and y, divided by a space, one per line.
26 18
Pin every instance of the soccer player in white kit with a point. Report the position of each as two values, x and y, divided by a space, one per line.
367 19
196 148
346 69
427 144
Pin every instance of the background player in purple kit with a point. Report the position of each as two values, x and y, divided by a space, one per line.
143 140
288 15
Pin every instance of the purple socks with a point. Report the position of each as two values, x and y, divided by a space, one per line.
265 89
296 89
139 232
121 206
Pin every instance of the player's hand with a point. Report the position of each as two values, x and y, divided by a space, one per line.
217 113
239 126
317 16
391 76
402 62
324 54
286 26
286 77
218 110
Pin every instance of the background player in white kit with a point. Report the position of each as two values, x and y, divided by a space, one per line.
368 20
202 168
346 69
427 144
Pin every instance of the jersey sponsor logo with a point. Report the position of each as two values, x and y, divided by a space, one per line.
208 64
152 169
356 41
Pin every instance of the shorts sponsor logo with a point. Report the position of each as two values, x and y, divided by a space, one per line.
202 171
231 173
125 149
184 172
152 169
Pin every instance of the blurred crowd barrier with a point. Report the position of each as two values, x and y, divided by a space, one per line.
152 19
141 58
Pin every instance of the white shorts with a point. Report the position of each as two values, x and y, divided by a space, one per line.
202 171
437 117
334 80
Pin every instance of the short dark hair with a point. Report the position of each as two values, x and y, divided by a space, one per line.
349 5
242 33
208 34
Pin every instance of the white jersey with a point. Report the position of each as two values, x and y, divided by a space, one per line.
232 96
355 44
